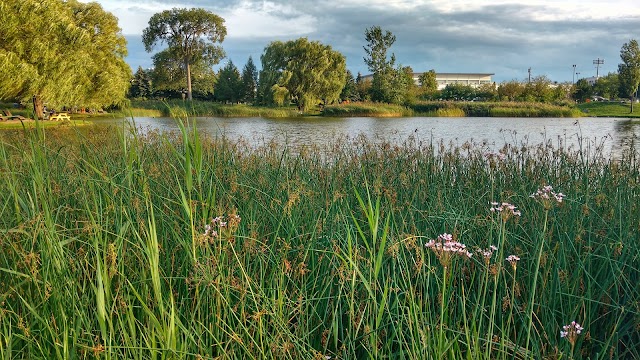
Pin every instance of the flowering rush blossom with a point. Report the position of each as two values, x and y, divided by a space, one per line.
505 209
487 253
571 332
513 260
547 196
445 247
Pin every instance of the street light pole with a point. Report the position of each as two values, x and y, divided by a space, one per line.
597 63
574 73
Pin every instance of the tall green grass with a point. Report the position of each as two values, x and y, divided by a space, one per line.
171 108
110 247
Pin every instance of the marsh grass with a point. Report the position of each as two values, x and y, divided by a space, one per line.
495 109
108 249
172 108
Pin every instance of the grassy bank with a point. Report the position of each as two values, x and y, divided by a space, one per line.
117 245
495 109
363 109
205 108
610 109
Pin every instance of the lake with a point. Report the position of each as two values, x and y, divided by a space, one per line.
611 134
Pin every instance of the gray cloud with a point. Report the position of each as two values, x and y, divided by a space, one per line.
502 39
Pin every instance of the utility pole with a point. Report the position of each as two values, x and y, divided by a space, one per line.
529 75
597 63
574 73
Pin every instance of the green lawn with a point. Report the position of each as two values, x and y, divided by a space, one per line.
610 109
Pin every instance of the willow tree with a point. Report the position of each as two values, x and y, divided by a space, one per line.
62 53
191 35
310 72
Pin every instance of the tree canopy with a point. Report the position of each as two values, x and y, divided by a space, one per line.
382 67
76 59
308 72
629 69
191 35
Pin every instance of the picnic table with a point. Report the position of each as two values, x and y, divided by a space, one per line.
60 116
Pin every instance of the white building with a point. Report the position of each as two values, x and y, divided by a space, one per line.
444 79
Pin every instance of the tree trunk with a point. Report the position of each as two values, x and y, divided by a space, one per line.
38 107
632 100
188 67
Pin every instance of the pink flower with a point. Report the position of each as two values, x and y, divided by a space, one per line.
571 332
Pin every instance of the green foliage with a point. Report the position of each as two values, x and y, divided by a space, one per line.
458 92
385 76
306 72
190 34
510 90
358 109
428 81
62 53
494 109
608 86
207 108
229 87
141 84
249 81
169 74
108 249
350 91
583 90
629 70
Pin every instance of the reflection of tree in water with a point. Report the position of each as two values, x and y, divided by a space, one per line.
627 133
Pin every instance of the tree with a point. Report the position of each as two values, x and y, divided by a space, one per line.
75 61
141 84
183 30
428 82
168 76
307 71
458 92
583 90
249 81
510 90
378 43
629 70
607 86
350 90
363 85
229 85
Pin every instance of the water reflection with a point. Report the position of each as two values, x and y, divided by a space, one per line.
612 134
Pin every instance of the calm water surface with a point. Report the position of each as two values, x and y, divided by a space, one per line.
611 134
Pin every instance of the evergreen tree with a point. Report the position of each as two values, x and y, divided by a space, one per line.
140 85
229 85
350 90
249 81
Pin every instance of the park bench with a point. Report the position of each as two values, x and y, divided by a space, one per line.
7 115
60 117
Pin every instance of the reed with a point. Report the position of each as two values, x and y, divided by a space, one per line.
120 244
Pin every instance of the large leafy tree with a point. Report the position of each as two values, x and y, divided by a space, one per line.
169 73
191 35
629 70
75 60
308 72
379 63
428 82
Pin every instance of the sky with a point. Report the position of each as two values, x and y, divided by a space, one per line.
506 38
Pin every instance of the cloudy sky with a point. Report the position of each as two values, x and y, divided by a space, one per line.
497 36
